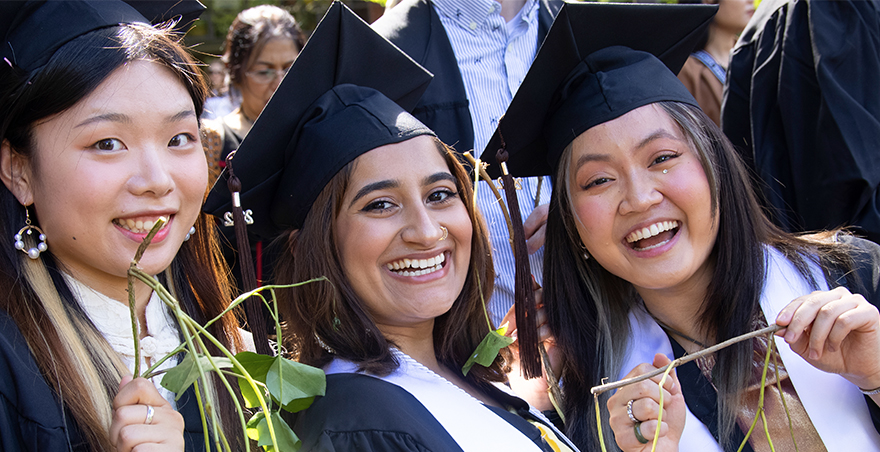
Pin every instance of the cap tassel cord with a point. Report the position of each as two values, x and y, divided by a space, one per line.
524 294
254 314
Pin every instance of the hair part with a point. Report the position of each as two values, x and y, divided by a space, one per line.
334 314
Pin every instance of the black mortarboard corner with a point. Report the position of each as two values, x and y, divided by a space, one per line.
598 62
33 30
348 92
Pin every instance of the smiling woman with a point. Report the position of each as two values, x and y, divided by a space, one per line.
99 138
363 194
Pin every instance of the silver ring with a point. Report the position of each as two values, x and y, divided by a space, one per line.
149 419
629 412
445 232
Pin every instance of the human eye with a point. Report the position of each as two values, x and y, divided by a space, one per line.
441 196
181 139
665 158
596 182
108 144
378 206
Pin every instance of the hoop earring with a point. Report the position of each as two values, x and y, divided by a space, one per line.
30 230
189 234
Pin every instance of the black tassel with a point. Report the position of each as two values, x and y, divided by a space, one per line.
253 310
524 294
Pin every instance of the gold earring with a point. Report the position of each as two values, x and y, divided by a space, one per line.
30 231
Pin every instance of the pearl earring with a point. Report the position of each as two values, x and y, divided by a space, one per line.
30 230
189 234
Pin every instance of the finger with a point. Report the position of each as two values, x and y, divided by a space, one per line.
536 220
164 422
825 320
671 383
544 333
863 317
536 241
139 391
805 309
645 409
649 427
540 317
149 437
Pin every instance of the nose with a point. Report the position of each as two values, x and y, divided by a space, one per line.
421 228
152 173
279 75
640 194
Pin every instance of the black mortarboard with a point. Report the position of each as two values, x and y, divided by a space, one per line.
598 62
349 91
33 30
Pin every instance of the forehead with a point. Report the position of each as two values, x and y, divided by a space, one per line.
411 159
629 130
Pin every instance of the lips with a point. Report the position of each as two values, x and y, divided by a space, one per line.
417 267
139 225
652 236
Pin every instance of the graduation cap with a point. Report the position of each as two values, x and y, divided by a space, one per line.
33 30
348 92
598 62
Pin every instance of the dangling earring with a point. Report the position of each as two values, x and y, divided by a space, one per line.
586 253
30 230
189 234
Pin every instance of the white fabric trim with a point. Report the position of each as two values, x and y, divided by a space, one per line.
473 426
113 320
835 406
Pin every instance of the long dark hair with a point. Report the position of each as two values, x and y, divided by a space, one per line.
333 313
72 355
588 307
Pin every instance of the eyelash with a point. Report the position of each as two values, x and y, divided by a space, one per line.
659 160
375 205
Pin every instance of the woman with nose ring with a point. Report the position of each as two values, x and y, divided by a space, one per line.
360 192
657 248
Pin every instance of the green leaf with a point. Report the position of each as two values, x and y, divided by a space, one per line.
257 366
258 430
290 382
293 385
488 349
183 375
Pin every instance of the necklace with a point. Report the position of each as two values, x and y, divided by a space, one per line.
669 329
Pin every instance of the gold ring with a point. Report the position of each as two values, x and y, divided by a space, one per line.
445 233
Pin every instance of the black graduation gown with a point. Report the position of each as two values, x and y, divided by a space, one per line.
802 104
31 417
415 27
366 414
700 396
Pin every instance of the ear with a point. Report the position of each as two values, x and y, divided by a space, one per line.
15 171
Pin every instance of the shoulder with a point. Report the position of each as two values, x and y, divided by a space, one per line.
407 20
360 412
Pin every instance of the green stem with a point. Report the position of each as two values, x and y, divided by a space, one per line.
202 410
760 411
599 423
784 404
660 414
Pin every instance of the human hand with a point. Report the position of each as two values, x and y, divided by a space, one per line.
133 430
837 332
535 228
645 397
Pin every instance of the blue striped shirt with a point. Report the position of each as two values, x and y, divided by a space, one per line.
493 57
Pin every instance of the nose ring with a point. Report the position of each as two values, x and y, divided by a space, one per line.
445 232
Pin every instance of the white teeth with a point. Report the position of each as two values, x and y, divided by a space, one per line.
148 225
651 231
417 267
139 226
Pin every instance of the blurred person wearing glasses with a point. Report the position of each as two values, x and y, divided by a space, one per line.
262 43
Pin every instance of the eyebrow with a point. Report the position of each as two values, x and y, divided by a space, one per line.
386 184
656 135
125 119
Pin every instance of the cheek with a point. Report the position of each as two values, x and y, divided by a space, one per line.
593 218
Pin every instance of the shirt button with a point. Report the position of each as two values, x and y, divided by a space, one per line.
473 26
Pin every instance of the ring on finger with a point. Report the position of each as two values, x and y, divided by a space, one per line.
637 429
149 419
629 411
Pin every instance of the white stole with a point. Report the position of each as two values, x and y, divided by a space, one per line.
470 423
835 406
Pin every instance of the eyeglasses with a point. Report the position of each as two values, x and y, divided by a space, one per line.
265 76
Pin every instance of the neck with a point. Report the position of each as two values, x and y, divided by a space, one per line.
417 342
510 8
680 308
719 44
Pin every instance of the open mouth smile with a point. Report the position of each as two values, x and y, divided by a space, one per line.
650 237
140 225
417 267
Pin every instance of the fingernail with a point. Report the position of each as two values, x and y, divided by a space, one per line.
814 354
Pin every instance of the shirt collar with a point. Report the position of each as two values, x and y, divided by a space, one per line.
472 14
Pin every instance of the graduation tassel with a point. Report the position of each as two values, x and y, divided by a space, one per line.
248 278
524 294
